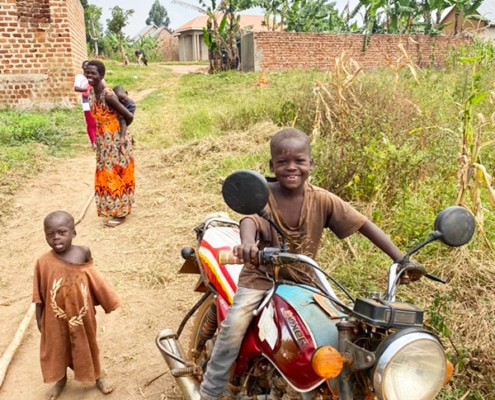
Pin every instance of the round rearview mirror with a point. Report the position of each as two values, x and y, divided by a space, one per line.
245 192
456 225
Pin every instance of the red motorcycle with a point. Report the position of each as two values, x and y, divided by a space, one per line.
305 342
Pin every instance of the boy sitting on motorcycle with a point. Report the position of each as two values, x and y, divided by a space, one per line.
302 211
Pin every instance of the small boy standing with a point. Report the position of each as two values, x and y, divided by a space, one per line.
128 103
66 289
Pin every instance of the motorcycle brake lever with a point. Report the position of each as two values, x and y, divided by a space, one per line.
435 278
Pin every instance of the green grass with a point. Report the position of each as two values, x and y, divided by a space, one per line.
27 138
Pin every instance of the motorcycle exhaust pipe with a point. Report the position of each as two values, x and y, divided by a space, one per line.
181 369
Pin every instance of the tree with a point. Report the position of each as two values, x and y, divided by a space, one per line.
313 16
222 30
117 24
158 15
432 9
272 9
463 9
94 30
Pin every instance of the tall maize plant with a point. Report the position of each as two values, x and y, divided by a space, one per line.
473 176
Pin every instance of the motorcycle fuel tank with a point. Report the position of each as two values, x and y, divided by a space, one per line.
290 328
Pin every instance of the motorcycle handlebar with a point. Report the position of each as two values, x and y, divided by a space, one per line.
435 278
227 257
267 256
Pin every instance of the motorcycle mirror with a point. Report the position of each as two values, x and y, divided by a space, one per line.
245 192
456 226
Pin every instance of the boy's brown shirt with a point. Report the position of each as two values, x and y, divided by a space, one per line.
320 209
69 294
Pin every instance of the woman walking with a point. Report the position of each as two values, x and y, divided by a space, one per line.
114 180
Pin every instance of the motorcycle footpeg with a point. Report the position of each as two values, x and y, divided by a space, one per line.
186 371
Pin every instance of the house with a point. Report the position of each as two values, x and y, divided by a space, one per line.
192 46
168 43
485 27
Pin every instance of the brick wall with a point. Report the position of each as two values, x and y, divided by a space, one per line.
169 45
42 46
278 51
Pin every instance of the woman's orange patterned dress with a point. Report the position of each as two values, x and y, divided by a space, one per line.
114 179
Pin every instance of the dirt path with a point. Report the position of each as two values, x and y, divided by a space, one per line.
140 258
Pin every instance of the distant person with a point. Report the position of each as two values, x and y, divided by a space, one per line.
114 177
81 85
66 289
126 60
128 103
141 57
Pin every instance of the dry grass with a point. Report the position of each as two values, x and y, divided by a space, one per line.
461 312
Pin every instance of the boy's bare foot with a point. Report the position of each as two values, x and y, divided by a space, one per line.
55 391
104 386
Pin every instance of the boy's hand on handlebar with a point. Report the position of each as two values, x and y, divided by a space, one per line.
247 253
412 271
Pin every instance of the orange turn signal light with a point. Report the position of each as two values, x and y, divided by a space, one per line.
449 371
327 362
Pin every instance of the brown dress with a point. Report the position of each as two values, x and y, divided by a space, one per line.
69 294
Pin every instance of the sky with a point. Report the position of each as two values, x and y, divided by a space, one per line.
177 13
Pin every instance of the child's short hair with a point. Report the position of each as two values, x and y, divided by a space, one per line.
289 133
64 215
119 90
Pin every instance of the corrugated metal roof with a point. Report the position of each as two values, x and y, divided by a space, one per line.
149 30
160 30
199 22
487 10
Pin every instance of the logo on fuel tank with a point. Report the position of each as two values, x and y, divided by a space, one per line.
295 328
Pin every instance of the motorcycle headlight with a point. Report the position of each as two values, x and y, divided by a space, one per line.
410 365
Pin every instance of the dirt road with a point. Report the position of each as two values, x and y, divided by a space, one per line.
140 258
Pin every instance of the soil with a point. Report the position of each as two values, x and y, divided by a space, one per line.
140 258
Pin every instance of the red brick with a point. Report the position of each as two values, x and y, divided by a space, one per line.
27 30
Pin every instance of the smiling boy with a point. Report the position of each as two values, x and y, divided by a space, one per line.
302 211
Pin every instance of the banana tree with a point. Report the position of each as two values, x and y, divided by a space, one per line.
313 16
464 9
429 9
401 15
222 30
271 10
